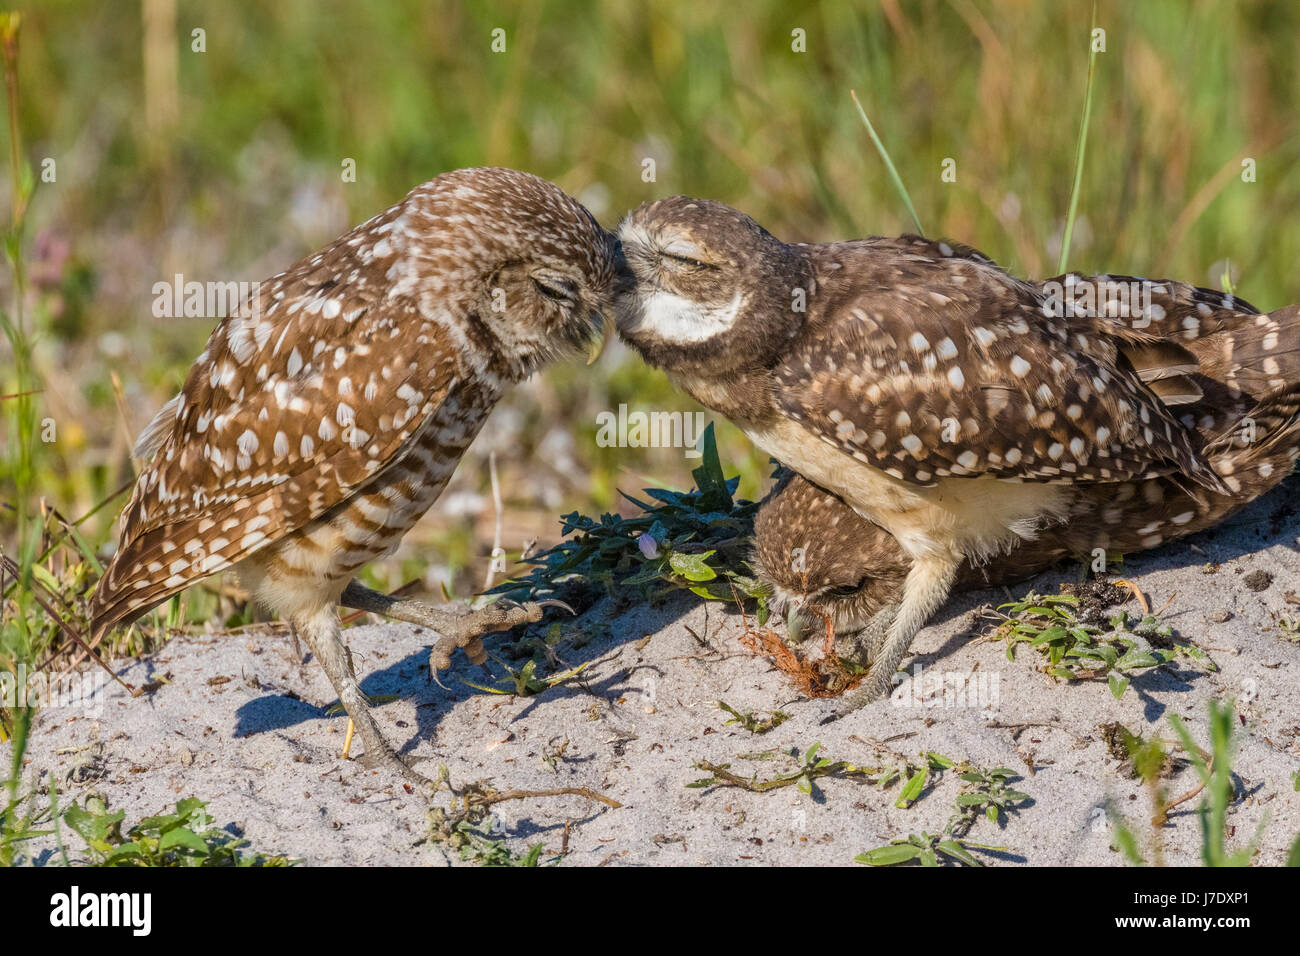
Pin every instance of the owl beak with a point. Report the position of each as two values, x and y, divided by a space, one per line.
598 346
796 625
607 325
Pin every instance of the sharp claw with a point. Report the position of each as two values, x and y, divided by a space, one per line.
552 602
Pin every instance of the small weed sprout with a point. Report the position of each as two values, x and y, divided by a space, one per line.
755 725
187 837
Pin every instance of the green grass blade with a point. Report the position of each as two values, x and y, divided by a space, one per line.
889 164
1083 146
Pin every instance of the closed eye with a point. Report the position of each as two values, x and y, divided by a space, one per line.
685 261
553 287
845 590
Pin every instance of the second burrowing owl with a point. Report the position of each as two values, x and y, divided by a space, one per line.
818 556
322 420
956 407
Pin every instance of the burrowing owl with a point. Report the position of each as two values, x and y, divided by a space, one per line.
818 555
322 420
956 407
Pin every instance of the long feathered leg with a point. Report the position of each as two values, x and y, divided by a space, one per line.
928 584
323 636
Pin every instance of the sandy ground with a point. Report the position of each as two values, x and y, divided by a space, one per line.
241 724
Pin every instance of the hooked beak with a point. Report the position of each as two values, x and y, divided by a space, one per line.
601 342
797 624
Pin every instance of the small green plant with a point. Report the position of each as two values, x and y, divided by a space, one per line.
918 776
187 837
525 682
984 793
20 819
476 845
755 725
1079 651
809 767
698 540
1289 628
1214 772
465 823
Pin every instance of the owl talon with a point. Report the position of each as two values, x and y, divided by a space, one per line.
552 602
864 646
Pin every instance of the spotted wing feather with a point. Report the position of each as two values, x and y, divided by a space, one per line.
975 380
271 430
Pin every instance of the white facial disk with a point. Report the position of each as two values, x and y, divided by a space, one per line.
677 321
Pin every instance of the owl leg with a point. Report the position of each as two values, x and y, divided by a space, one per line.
456 630
928 585
321 632
863 645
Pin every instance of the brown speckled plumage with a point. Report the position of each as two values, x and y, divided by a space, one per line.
962 410
815 551
326 416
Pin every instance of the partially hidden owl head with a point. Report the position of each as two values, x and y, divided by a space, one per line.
821 560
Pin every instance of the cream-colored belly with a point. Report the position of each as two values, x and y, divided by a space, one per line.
970 517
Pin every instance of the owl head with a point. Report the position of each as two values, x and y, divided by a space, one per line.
703 286
820 557
526 264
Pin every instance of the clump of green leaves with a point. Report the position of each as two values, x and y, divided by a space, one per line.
187 837
1079 651
697 540
755 725
476 844
917 775
984 793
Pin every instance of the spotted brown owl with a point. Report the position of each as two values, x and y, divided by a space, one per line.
954 406
816 554
322 420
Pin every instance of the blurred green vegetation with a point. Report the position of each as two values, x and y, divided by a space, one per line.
225 165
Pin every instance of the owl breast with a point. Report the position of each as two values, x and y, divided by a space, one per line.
971 517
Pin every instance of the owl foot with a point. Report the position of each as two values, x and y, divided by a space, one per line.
501 615
463 630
